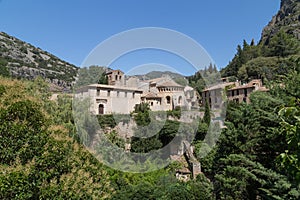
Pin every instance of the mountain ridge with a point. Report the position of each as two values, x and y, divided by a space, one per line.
287 18
275 53
24 60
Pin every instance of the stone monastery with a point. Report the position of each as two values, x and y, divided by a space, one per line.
121 95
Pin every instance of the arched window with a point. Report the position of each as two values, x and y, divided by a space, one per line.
168 99
101 109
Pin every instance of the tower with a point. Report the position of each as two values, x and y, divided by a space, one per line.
116 77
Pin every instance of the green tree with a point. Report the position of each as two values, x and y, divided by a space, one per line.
141 114
243 55
207 114
201 131
290 158
38 160
241 178
22 132
90 75
144 145
103 79
290 125
283 44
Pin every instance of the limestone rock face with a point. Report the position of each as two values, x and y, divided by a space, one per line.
26 61
287 18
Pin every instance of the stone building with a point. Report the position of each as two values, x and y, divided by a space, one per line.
121 95
215 95
164 96
115 77
109 99
241 93
192 97
233 91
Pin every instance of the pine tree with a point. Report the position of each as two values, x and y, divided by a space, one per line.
283 44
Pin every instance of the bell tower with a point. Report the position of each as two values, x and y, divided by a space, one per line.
116 77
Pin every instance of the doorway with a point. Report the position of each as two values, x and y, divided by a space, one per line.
101 109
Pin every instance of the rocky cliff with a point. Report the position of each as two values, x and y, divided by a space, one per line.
287 18
26 61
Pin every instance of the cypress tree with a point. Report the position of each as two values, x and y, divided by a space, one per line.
206 117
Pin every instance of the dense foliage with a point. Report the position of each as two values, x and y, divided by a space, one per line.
265 60
91 75
42 156
39 159
204 78
257 156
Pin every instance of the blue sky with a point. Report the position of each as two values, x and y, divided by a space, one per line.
72 29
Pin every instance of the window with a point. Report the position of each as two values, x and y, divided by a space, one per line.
152 103
237 92
168 99
125 94
108 93
118 93
245 92
133 94
116 77
232 92
98 92
216 100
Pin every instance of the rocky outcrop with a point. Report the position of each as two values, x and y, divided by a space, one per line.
287 18
26 61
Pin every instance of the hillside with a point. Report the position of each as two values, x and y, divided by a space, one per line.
275 53
157 74
287 18
256 157
26 61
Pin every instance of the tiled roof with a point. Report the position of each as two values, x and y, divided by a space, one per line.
219 86
251 84
242 87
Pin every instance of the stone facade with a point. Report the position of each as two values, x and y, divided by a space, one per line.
241 93
164 96
108 99
215 95
233 91
115 77
120 96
